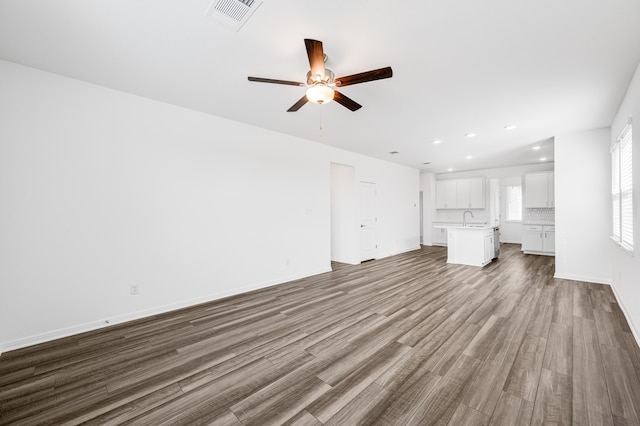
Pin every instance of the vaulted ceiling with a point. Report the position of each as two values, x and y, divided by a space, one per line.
466 66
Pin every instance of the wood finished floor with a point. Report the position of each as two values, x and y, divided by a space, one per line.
398 341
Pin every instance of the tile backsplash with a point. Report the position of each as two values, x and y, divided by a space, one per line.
455 216
542 216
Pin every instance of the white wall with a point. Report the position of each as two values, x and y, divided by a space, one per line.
398 194
583 206
100 189
626 268
344 218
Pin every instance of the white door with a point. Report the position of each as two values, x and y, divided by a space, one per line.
532 241
367 221
549 244
421 218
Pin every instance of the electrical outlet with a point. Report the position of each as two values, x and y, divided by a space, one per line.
134 289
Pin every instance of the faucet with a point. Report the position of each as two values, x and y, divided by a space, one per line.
464 217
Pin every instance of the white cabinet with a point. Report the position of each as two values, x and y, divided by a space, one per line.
446 194
470 193
439 236
549 239
470 246
460 193
463 196
532 238
488 247
476 193
539 190
539 239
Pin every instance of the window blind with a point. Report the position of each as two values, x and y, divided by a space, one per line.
622 189
615 189
514 202
626 191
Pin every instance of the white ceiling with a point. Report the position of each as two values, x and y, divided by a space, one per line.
461 66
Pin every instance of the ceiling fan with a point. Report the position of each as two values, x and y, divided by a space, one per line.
321 82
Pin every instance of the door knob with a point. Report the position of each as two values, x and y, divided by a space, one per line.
361 226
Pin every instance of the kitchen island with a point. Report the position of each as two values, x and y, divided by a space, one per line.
471 245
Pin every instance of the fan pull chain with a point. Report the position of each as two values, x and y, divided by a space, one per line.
320 121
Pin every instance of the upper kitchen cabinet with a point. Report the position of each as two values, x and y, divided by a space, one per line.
539 190
476 193
446 194
460 193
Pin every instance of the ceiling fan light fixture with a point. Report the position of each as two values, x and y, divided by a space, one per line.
321 80
320 94
326 78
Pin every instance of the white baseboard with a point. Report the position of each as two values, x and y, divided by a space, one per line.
585 278
131 316
395 253
348 261
632 326
634 329
538 253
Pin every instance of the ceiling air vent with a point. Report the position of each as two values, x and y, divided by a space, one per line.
234 13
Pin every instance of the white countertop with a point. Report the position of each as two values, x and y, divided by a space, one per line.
471 227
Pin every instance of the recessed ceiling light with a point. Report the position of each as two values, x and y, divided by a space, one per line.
470 135
537 147
469 157
543 158
449 169
393 152
510 127
437 141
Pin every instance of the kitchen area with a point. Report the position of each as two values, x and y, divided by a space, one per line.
538 224
471 213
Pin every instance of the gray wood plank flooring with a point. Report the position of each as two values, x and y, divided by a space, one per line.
406 340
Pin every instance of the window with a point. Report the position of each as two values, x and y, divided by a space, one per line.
622 189
514 202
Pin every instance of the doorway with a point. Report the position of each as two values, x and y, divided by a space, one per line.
368 221
421 217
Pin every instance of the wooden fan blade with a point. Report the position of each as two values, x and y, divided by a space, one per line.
363 77
270 80
303 100
316 57
346 101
